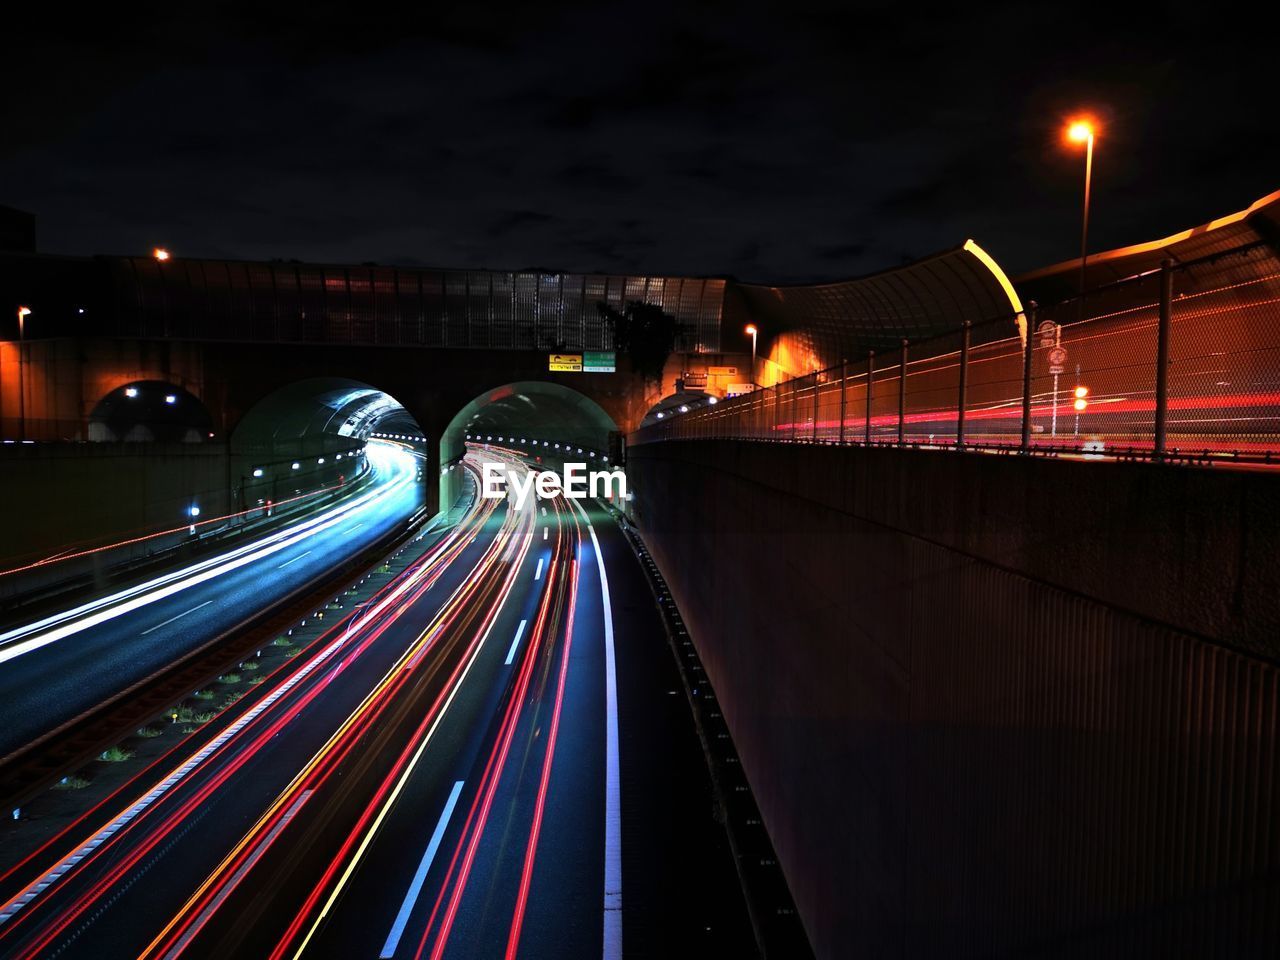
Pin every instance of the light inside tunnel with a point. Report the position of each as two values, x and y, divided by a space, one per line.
539 413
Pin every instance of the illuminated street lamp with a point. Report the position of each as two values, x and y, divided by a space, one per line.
160 253
753 331
23 313
1082 131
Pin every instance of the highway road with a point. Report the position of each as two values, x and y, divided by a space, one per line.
436 775
54 668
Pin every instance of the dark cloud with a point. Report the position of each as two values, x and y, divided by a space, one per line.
778 143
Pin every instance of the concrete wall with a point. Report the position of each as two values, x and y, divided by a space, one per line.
56 495
991 706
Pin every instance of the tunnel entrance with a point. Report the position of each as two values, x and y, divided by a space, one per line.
528 411
677 403
150 411
312 434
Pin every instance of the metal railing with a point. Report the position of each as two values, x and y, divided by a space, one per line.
1160 369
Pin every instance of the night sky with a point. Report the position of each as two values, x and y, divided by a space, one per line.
775 144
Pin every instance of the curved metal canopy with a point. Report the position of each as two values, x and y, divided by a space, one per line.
836 321
1239 246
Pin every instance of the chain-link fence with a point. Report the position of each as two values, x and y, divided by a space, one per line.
1156 365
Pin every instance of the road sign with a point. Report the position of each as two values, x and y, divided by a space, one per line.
722 371
565 363
1057 360
738 389
599 361
1047 331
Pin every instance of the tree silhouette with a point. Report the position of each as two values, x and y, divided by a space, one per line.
644 334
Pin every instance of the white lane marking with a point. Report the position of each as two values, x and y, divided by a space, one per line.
411 897
294 560
511 654
356 527
612 798
178 617
259 849
537 574
545 531
544 511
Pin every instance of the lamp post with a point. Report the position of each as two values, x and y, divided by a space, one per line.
754 331
1082 131
23 313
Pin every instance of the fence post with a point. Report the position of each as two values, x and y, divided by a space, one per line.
1162 359
871 368
844 394
777 408
902 394
1030 315
964 383
815 406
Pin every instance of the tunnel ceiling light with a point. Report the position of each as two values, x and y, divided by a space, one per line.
319 459
170 398
296 465
257 471
338 457
193 510
712 401
684 408
130 392
79 309
661 414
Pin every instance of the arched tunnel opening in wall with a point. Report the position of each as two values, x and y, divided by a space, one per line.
323 432
557 418
150 411
675 404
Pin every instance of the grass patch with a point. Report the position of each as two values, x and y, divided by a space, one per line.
293 653
252 665
204 716
149 733
231 698
204 694
72 782
282 642
256 680
115 754
229 678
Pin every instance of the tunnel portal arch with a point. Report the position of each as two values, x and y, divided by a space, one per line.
528 410
312 433
146 411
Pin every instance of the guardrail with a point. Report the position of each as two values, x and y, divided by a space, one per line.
1161 369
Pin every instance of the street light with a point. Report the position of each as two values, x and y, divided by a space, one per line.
160 253
1082 131
753 331
23 313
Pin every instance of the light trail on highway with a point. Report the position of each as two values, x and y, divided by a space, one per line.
62 664
301 816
